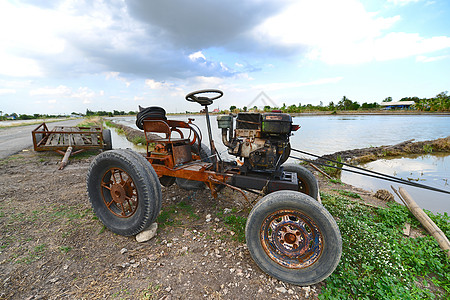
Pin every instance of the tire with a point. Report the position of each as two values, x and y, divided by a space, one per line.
306 180
286 153
167 180
107 141
124 191
141 160
293 238
192 185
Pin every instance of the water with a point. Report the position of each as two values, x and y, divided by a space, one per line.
431 170
328 134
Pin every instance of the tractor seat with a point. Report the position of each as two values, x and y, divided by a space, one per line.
160 126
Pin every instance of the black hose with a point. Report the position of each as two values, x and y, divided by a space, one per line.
376 174
151 113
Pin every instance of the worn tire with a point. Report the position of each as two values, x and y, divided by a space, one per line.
192 185
167 180
107 140
124 192
307 181
140 159
293 238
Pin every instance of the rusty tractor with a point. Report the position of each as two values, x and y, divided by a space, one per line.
289 234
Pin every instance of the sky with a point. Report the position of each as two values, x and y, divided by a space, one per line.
64 56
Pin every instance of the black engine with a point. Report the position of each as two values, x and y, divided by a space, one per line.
261 139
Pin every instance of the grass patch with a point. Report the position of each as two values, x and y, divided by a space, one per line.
349 194
91 122
65 249
33 255
332 168
175 214
378 262
236 224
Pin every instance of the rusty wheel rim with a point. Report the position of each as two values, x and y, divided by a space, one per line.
119 193
291 239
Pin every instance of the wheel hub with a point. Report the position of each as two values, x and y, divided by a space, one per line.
117 193
291 239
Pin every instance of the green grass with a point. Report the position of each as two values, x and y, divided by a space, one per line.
33 255
349 194
176 213
234 223
378 262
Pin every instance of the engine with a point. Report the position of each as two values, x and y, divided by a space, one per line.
261 139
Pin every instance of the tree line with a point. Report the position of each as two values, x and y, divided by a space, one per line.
439 103
89 113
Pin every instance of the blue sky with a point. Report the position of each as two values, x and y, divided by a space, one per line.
63 56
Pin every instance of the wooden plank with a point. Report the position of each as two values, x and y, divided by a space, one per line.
77 139
425 220
55 140
94 139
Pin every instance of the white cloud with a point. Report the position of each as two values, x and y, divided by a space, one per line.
399 45
426 59
47 91
403 2
345 33
197 56
7 91
156 85
287 85
116 75
18 66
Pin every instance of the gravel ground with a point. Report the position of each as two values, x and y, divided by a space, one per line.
53 247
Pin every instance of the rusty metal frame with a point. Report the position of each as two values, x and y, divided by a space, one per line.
68 137
162 154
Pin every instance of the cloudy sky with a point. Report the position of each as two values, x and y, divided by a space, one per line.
63 56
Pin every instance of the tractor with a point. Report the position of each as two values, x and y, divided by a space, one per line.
289 234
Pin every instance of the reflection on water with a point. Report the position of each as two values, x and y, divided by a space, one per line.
431 170
119 141
328 134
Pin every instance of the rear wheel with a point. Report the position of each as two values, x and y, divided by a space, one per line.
307 182
124 192
107 141
293 238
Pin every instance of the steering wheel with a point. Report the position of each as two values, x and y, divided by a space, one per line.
203 100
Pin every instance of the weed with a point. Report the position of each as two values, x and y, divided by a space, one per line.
349 194
335 180
377 261
102 230
427 148
34 255
139 140
168 215
236 224
65 249
151 292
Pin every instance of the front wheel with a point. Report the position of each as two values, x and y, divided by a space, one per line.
124 192
293 238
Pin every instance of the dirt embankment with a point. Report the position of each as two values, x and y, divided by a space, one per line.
405 148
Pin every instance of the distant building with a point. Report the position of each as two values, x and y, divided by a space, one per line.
397 105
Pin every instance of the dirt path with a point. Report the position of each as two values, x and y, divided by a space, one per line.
14 139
